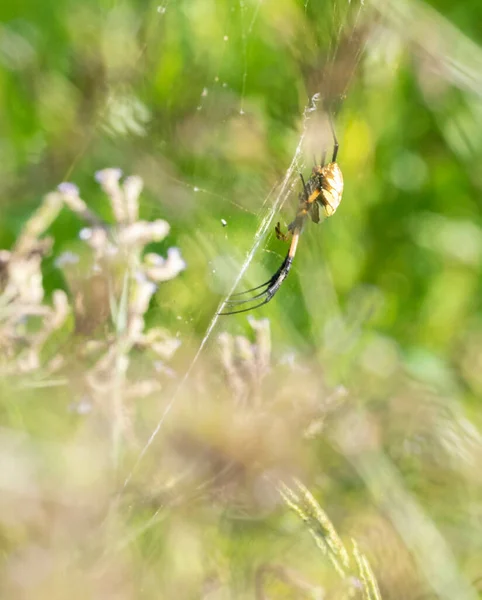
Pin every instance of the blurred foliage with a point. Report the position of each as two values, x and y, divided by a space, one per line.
366 382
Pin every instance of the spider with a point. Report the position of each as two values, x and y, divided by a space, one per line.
323 190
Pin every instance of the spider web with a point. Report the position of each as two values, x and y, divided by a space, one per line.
123 109
259 237
123 114
285 189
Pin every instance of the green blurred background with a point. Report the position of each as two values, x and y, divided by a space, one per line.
160 90
207 101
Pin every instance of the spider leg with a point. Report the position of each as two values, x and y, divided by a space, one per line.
284 237
242 310
315 212
258 287
271 286
305 190
335 140
267 294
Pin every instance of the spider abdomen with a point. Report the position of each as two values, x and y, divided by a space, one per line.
331 188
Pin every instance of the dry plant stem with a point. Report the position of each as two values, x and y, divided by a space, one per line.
369 582
22 291
352 566
414 526
38 223
318 524
234 379
246 363
125 283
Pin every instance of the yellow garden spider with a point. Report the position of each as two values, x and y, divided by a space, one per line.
323 190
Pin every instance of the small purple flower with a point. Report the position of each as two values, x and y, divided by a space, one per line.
174 255
83 407
140 276
104 175
85 234
66 258
67 188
